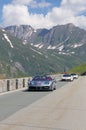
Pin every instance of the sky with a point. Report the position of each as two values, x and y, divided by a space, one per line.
42 13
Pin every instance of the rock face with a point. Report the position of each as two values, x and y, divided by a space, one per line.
62 34
22 32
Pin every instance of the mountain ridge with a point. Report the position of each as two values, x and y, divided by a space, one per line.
55 36
41 51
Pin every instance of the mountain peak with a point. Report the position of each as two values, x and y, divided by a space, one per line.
67 34
21 31
70 25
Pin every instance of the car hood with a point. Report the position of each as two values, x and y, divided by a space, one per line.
41 83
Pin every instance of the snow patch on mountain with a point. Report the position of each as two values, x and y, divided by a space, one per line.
35 30
8 40
24 42
61 48
72 52
51 47
41 45
64 53
3 30
37 45
77 45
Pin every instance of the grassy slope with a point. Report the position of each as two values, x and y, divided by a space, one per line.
79 69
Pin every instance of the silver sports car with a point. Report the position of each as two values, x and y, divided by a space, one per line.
42 83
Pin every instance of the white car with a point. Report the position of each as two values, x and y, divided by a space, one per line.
75 76
67 77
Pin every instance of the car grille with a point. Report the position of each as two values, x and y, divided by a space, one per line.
38 87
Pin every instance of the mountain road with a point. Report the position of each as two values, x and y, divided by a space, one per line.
62 109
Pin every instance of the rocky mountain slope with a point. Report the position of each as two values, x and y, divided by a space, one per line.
25 51
61 37
17 59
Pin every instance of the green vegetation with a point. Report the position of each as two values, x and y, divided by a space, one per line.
79 69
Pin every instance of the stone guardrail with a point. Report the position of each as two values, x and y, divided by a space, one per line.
13 84
17 83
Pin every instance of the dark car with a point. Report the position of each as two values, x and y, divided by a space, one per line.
42 83
83 74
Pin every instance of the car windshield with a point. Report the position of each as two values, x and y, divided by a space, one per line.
73 74
66 75
42 78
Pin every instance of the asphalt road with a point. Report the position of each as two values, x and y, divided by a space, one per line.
62 109
14 101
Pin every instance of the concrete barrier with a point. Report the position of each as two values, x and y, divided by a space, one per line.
13 84
17 83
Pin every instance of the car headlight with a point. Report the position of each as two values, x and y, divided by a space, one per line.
31 83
